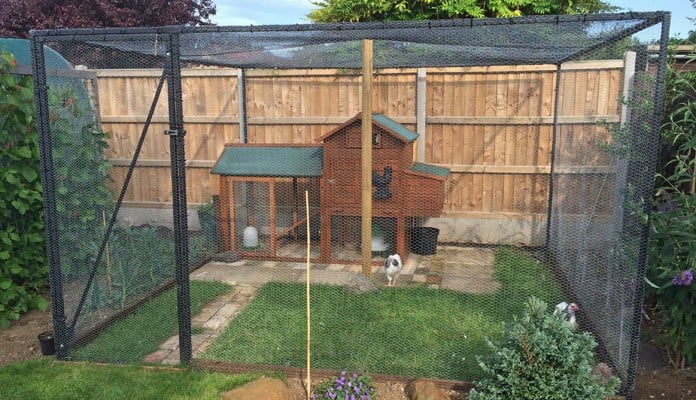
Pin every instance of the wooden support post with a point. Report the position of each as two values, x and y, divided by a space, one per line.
325 238
367 158
272 212
400 235
227 216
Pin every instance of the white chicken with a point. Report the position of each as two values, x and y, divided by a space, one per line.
392 267
568 311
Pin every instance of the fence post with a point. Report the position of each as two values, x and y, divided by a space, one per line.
421 92
242 109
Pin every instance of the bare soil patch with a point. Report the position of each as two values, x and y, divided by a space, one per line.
20 341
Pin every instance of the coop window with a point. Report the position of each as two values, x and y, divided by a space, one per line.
355 140
376 138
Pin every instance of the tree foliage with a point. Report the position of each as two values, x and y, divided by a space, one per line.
403 10
18 17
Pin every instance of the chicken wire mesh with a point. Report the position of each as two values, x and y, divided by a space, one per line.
207 174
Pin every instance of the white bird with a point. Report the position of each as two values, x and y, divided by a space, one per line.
568 311
392 267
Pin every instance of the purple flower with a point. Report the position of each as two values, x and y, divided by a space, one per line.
667 204
345 387
683 278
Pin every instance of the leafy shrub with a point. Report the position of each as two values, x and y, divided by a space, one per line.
23 269
671 254
541 357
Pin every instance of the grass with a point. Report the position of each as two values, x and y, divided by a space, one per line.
131 339
413 331
404 331
48 379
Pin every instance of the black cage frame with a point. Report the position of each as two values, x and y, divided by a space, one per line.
492 50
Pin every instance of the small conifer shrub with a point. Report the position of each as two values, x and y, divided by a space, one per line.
541 357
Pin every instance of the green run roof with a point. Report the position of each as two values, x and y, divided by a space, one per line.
286 161
430 169
395 127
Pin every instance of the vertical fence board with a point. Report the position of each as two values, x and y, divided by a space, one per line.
492 126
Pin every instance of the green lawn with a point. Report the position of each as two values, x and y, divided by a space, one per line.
405 331
411 331
131 339
51 380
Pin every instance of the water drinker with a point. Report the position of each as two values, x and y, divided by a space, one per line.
251 238
378 244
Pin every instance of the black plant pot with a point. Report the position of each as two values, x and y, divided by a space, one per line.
48 347
424 240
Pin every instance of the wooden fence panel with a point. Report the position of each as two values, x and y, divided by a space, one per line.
211 109
492 126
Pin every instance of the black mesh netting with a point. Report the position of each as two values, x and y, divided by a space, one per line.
191 172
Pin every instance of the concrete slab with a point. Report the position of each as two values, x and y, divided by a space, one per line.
466 269
471 278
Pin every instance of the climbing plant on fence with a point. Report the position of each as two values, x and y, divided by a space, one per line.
23 268
84 202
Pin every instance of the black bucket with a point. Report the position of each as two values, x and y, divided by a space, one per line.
48 347
424 240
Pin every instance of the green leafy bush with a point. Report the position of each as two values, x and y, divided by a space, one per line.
672 254
23 269
541 357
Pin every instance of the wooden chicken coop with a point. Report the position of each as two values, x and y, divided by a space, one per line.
401 188
262 188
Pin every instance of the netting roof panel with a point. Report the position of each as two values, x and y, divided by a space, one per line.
464 42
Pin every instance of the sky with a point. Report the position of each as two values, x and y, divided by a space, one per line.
271 12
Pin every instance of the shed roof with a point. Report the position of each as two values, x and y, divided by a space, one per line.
21 50
397 130
280 161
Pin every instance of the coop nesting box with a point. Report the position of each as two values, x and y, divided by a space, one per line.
401 188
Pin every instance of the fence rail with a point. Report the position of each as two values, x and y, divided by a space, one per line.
492 126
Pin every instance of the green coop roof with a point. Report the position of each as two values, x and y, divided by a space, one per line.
288 161
430 169
395 127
